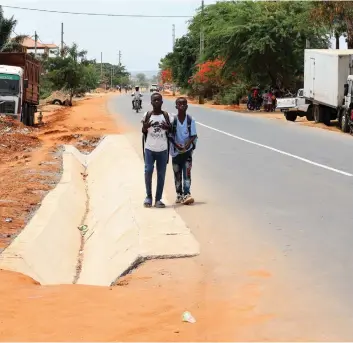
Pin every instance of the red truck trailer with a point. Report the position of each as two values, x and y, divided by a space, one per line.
19 86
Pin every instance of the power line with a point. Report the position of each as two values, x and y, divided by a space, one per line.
97 14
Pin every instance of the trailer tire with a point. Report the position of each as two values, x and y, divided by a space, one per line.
309 114
344 122
25 114
326 116
291 116
31 116
318 114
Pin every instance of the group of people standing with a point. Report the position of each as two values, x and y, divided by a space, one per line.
268 99
164 136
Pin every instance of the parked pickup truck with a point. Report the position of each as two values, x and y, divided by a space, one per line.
295 107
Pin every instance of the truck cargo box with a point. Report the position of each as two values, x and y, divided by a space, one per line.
325 74
31 68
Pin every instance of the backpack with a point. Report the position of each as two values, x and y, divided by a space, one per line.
144 135
174 128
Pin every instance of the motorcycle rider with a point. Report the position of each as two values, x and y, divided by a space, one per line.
136 96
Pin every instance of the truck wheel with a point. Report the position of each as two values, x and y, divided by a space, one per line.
344 122
309 114
326 116
317 114
291 116
31 115
25 114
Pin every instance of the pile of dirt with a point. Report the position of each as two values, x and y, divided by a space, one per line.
58 95
15 138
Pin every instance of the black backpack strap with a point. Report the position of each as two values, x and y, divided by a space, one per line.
144 135
189 121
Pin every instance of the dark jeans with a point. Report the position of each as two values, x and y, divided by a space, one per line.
161 159
182 165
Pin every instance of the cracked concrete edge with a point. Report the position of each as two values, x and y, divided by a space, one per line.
47 248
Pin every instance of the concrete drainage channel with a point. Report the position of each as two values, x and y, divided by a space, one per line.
102 191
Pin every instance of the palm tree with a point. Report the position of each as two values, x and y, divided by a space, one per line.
7 44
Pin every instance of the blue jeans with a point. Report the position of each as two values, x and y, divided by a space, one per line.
161 159
182 165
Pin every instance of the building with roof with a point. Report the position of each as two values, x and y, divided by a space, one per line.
42 48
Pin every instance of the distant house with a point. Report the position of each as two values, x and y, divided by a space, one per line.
42 49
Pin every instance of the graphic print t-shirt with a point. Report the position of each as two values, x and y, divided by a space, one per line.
157 139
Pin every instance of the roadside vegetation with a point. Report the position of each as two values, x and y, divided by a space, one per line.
249 44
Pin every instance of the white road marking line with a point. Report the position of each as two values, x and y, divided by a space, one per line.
277 150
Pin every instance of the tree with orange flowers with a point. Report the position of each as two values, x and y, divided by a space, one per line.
166 76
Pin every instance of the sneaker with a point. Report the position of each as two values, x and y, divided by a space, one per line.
188 200
159 204
148 202
179 199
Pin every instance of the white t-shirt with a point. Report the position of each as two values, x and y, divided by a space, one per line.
157 139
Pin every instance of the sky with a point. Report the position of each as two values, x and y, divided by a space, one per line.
142 41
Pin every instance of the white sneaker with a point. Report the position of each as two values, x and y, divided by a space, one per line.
179 199
188 200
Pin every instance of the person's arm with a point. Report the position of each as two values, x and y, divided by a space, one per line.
193 135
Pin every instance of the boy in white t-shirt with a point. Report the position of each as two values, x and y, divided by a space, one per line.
156 128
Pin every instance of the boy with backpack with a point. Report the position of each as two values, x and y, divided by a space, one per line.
156 126
183 142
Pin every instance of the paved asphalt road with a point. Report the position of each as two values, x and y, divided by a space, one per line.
275 196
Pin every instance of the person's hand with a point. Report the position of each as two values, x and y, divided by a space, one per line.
179 147
147 125
165 126
187 145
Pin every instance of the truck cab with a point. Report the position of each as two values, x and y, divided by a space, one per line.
12 86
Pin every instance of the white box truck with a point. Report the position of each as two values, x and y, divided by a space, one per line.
327 89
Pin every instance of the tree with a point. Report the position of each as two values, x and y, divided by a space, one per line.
142 80
337 16
69 72
166 76
266 50
7 27
182 60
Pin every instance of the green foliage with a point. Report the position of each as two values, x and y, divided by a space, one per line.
263 42
71 72
182 60
142 80
7 27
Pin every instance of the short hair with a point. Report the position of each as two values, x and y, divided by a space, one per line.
156 94
181 98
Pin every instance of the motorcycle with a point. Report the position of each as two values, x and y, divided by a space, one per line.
137 105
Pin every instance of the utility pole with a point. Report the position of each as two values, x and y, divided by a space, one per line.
62 40
111 78
173 50
35 44
119 58
101 66
173 36
202 32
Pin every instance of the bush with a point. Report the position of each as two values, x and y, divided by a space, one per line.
233 95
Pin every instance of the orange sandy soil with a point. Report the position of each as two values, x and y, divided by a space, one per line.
274 115
31 158
146 305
